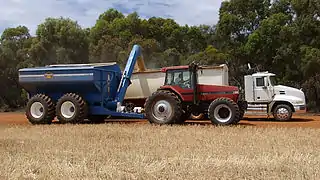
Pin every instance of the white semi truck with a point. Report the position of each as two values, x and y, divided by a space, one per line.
263 97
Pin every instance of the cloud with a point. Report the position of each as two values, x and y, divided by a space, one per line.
33 12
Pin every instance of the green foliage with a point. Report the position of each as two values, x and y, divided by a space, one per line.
282 36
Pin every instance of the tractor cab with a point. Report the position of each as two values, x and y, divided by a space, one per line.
179 76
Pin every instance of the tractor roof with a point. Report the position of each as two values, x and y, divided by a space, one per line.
165 69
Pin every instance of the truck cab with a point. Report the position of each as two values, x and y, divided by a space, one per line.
264 96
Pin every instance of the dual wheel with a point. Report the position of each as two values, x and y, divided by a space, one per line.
164 107
70 108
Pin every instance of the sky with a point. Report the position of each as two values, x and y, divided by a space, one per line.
30 13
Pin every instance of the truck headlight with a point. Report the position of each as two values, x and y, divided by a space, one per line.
299 102
235 92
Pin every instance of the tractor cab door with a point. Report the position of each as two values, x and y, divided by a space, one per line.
180 80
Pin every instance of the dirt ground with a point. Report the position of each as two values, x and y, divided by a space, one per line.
305 121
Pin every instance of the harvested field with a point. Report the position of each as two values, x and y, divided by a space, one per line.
138 150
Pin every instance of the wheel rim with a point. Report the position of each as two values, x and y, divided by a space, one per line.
36 110
222 113
68 109
162 110
283 113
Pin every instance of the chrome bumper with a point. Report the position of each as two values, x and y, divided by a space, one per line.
300 109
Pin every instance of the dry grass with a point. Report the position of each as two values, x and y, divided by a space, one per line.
143 151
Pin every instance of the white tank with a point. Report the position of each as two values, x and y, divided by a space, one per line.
144 83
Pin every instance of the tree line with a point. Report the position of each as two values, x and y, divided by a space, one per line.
280 36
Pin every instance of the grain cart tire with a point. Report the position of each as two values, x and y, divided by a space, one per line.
282 112
71 108
223 111
40 109
163 107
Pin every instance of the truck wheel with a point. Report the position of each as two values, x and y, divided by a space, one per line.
224 111
282 112
163 107
40 109
71 108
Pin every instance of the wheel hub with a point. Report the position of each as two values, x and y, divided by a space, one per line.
67 109
36 110
162 110
222 113
282 113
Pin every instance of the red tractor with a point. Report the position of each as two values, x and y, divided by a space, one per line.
181 95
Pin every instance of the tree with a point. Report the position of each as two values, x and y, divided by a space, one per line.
63 41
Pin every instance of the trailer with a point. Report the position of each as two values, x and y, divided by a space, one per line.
75 92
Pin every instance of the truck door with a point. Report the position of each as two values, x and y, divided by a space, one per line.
262 89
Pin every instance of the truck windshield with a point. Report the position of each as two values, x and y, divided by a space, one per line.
273 80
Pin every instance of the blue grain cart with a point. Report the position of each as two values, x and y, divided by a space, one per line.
75 92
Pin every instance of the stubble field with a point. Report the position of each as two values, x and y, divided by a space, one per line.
137 150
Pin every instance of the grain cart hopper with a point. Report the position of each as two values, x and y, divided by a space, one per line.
75 92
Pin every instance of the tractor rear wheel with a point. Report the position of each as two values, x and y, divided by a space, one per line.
163 107
224 111
40 109
71 108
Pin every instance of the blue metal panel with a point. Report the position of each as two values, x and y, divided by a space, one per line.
96 110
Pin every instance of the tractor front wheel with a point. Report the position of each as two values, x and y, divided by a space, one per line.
40 109
71 108
224 111
163 107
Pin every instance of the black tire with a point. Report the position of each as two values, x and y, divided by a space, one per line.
78 109
45 107
285 115
242 108
184 117
229 106
241 111
173 105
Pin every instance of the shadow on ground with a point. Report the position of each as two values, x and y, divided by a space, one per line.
187 123
273 120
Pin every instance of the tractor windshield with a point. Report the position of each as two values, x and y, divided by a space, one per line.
180 78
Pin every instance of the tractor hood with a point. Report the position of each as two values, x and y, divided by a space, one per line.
218 89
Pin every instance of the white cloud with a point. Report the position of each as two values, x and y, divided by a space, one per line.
32 12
